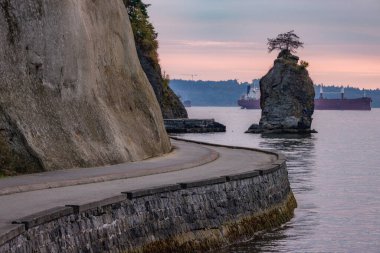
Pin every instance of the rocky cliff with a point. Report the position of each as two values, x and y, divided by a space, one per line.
147 49
287 97
72 90
171 106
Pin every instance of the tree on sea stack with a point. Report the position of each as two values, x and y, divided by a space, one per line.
287 92
285 41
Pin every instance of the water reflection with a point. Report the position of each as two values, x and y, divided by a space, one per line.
300 153
334 175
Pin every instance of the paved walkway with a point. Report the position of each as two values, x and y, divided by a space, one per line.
183 156
24 195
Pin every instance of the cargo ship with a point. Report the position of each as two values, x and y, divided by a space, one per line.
251 100
342 103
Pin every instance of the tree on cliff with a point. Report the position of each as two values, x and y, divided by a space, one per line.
285 41
146 46
144 32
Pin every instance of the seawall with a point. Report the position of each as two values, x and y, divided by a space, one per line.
193 126
183 217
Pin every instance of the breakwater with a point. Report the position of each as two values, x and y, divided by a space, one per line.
193 126
183 217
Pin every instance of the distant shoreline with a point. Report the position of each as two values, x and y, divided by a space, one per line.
226 93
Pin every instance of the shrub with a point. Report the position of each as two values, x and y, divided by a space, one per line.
304 64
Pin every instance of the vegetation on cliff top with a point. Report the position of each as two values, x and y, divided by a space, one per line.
147 46
143 31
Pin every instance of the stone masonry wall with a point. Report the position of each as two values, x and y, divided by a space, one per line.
186 217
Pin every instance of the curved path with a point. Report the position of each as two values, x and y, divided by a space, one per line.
183 156
25 195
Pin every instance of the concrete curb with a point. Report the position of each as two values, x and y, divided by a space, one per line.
44 216
79 208
10 231
243 176
279 155
151 191
205 182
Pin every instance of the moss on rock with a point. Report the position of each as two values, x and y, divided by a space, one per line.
233 232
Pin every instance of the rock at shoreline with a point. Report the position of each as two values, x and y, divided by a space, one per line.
72 90
287 98
193 126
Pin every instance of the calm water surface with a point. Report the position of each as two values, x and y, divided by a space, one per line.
334 174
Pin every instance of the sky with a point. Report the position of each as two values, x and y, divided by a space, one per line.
226 39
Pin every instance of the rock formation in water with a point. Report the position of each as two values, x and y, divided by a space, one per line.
287 98
72 90
147 46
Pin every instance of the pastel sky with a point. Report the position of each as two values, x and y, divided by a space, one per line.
226 39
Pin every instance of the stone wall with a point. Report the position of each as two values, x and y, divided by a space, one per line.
185 217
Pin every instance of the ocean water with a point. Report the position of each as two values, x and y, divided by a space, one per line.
334 174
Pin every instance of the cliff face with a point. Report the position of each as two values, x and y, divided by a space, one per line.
170 104
72 90
287 97
147 49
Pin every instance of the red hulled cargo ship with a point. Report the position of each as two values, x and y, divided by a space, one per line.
251 100
249 103
363 104
342 103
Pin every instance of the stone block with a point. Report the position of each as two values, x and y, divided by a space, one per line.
200 183
243 175
79 208
44 216
269 169
10 231
151 191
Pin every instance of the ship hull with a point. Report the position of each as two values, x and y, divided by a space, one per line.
249 103
360 104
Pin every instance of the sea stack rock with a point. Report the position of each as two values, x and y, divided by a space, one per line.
72 90
287 98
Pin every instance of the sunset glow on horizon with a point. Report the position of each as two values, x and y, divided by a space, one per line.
220 39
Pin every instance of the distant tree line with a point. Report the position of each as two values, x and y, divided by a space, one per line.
208 93
226 93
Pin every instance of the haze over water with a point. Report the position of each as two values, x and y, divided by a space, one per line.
334 174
